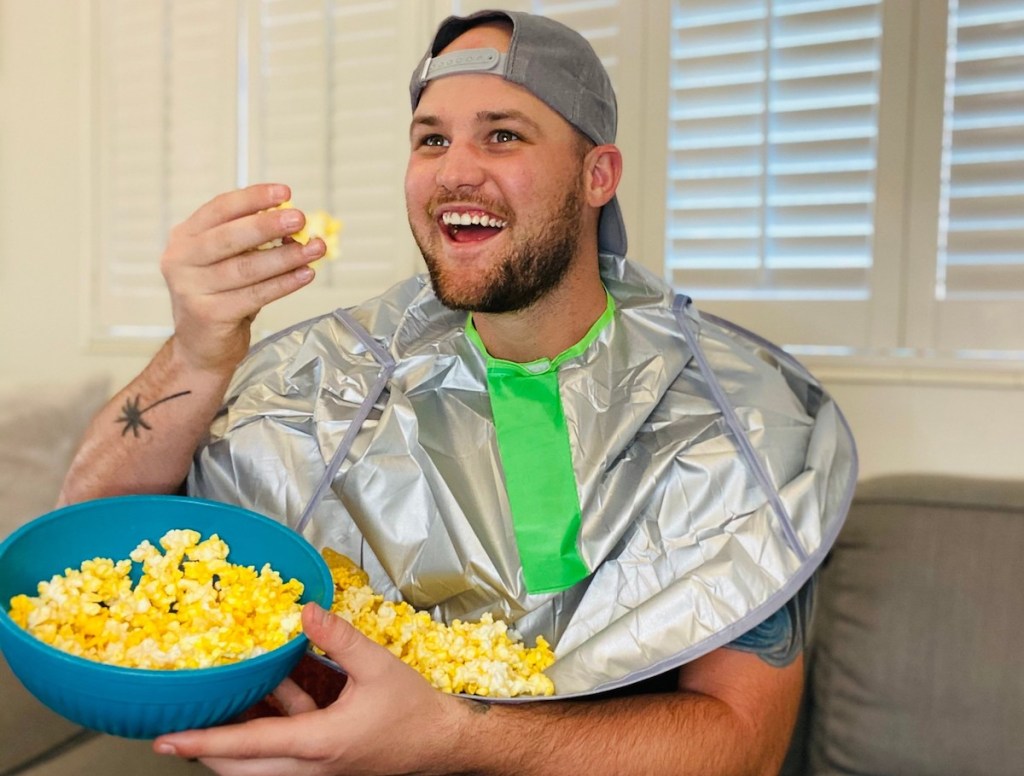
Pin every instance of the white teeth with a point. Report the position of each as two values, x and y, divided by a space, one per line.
465 219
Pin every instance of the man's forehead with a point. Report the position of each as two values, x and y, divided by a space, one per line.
482 117
451 98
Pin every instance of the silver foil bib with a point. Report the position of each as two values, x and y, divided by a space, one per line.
713 471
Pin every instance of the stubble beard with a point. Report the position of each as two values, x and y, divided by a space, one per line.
530 269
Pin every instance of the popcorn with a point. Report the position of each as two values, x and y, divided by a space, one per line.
190 609
483 658
319 223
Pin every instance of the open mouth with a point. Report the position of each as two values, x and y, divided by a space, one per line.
470 225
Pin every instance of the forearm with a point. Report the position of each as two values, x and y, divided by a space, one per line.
654 735
143 440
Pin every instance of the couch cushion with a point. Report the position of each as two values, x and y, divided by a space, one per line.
918 665
40 425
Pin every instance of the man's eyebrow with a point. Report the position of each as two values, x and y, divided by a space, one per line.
427 120
497 116
430 120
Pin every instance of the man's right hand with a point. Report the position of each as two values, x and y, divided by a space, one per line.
219 279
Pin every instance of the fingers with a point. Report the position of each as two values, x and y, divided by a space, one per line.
219 281
223 257
245 233
230 307
338 638
242 235
293 699
268 737
232 205
251 268
360 657
280 766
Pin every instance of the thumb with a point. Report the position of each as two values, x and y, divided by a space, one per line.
357 655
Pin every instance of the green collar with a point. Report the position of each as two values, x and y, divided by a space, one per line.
543 365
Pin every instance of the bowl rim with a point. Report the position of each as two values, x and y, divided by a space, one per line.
242 666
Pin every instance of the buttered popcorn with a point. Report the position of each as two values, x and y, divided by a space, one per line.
191 608
481 658
319 223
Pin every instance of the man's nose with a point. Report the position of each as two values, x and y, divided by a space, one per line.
460 166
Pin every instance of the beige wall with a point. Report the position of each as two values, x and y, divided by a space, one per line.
931 428
43 200
44 212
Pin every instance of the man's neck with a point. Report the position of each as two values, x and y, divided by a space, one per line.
548 327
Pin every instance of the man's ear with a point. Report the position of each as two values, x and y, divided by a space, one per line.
603 166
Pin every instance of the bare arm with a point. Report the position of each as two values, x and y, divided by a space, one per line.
143 440
732 715
737 706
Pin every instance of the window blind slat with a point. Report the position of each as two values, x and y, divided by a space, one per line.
981 223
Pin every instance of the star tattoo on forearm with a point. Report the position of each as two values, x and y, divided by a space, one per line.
131 413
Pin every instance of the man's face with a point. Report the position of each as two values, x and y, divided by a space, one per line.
494 192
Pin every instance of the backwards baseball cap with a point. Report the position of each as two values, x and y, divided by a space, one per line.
555 64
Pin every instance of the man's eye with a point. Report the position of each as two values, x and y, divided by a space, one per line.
504 136
435 141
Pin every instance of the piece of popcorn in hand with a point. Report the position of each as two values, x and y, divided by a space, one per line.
319 223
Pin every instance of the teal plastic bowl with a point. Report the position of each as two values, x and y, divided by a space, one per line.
135 702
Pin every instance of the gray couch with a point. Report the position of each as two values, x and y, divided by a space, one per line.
916 668
917 658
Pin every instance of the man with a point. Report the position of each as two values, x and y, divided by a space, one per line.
542 433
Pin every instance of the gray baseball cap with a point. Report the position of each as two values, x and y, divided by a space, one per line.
551 61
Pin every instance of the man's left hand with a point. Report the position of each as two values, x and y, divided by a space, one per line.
387 719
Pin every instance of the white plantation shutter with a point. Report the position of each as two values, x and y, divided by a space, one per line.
322 90
330 117
772 157
972 301
165 137
839 190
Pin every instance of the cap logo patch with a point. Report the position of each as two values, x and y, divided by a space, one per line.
469 61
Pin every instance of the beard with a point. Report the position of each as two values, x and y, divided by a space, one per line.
535 264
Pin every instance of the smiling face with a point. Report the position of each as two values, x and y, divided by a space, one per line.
494 188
